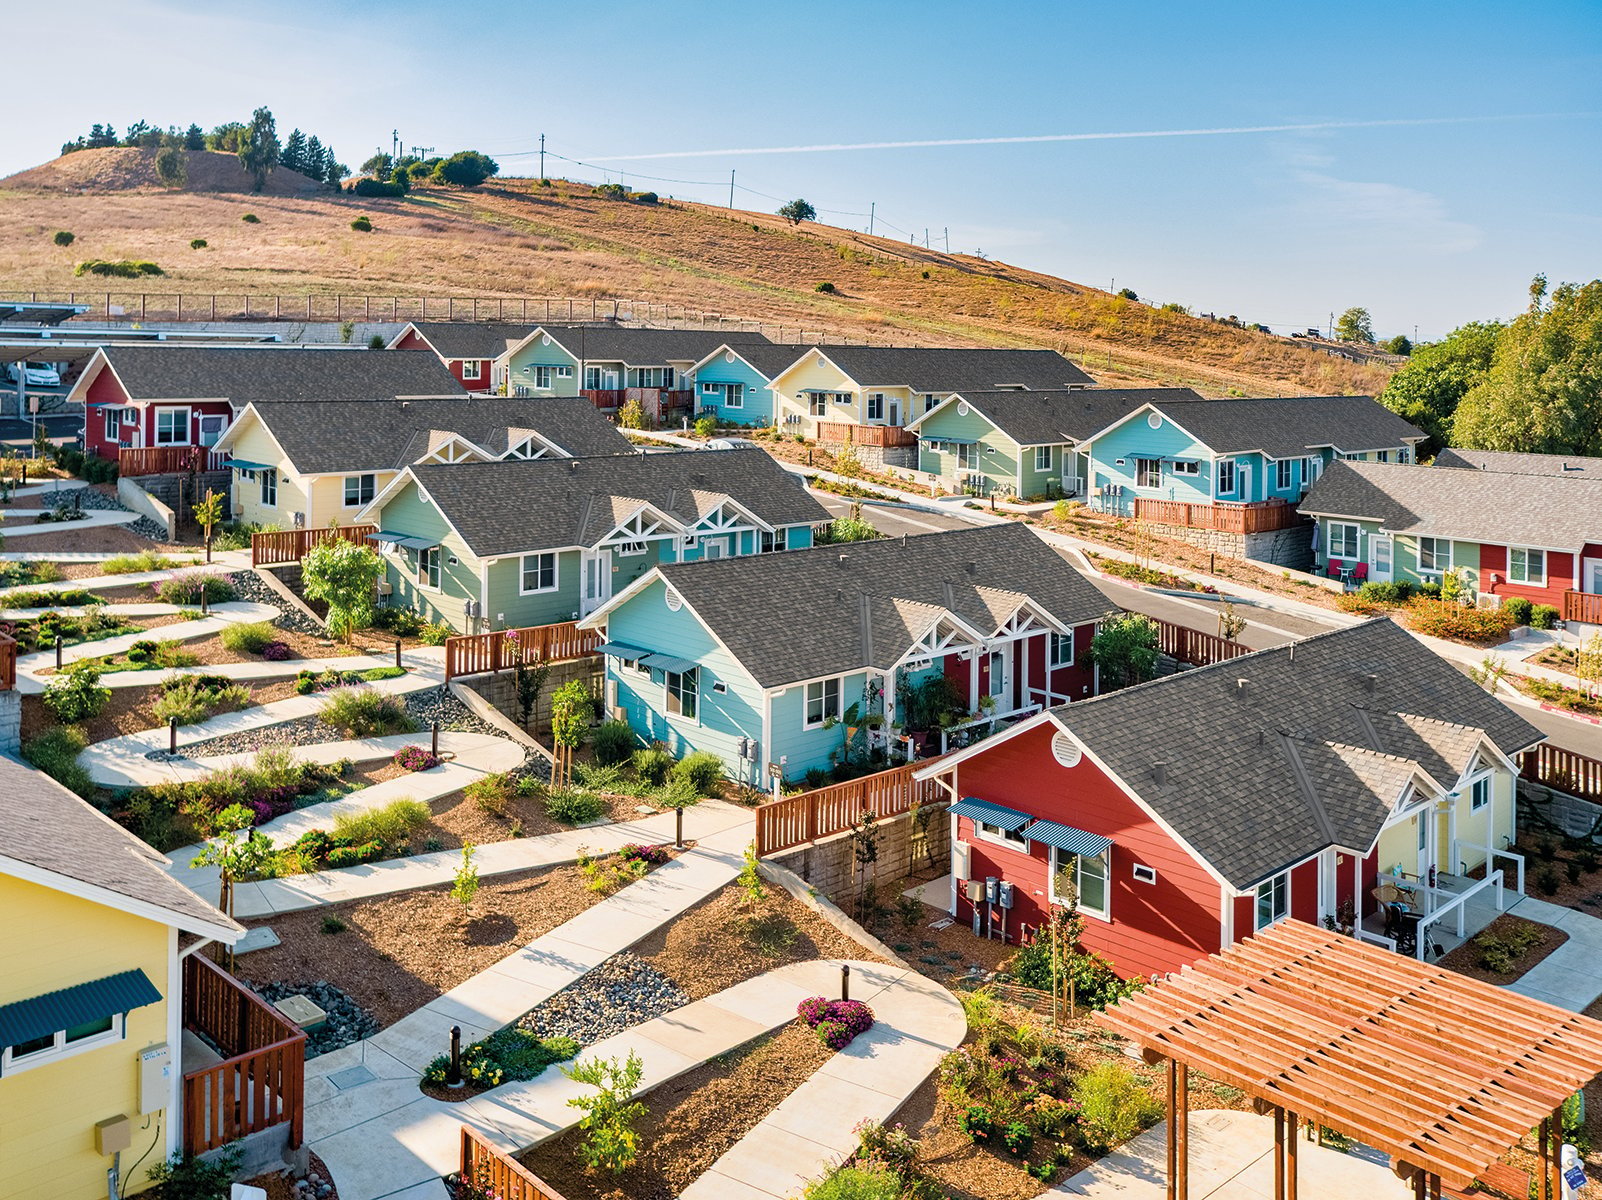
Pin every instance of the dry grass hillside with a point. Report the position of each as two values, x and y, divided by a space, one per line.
516 239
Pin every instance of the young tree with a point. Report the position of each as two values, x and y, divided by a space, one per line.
571 707
610 1141
293 157
1355 325
171 168
207 515
466 168
797 211
102 135
333 169
258 147
1124 650
1397 345
226 137
379 166
343 575
464 889
194 138
1230 623
237 849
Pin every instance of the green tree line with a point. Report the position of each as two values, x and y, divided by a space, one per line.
254 141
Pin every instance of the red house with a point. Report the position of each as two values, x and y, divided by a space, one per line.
1191 811
467 348
170 401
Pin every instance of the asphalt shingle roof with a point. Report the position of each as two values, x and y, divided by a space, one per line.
1290 426
1262 775
1549 511
242 374
955 369
646 347
1568 466
472 339
515 507
46 826
369 435
767 357
841 608
1053 417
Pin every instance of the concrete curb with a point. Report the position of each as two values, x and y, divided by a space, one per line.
827 909
485 711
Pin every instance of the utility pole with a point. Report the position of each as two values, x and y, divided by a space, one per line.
947 235
1332 327
925 237
872 204
542 158
731 188
394 143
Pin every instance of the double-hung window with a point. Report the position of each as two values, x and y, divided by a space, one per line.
818 403
1342 540
1434 555
1149 472
592 379
539 573
428 568
1226 476
172 427
734 395
930 400
1042 458
968 456
472 368
1273 900
269 488
875 406
1089 877
1480 793
1525 565
543 377
1403 455
1062 649
1284 474
359 490
683 693
822 703
113 424
774 542
1383 456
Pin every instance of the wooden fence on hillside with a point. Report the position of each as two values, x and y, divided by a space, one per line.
290 545
797 820
1563 770
479 653
1187 645
492 1173
1260 516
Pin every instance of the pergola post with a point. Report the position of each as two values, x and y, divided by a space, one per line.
1544 1190
1182 1100
1279 1153
1291 1144
1173 1131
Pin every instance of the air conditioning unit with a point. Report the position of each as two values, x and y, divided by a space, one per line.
385 588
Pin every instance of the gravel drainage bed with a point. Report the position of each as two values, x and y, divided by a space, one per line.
620 993
347 1021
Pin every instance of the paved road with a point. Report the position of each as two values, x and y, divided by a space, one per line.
892 520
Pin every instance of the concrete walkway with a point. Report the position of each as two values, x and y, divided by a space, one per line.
1568 977
93 518
254 671
1231 1158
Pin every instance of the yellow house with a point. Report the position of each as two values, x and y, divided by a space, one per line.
298 464
91 1015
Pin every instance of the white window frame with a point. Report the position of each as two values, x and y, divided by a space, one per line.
776 542
269 488
113 423
1529 553
1055 643
472 369
734 395
1284 474
842 397
60 1048
594 379
366 489
967 456
825 687
430 568
1278 888
1340 528
1479 789
522 572
818 404
1102 861
1012 839
875 406
1435 555
1404 455
543 375
930 402
1186 467
1148 472
673 705
155 426
1228 470
629 549
1042 458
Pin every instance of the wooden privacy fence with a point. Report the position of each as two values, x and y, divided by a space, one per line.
1187 645
478 653
491 1172
290 545
1260 516
1563 770
865 435
261 1081
1584 607
8 662
797 820
167 460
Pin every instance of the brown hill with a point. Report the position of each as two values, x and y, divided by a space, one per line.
518 239
116 169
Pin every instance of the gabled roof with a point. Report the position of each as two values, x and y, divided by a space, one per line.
767 358
468 339
835 609
1548 511
50 836
380 435
241 374
1568 466
515 507
955 369
1055 417
638 347
1290 426
1309 752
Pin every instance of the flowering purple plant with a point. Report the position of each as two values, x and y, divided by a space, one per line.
275 651
853 1014
837 1021
415 758
812 1010
637 852
833 1035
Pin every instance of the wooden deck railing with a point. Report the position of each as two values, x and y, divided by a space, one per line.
865 435
1193 646
797 820
476 654
493 1173
290 545
1584 607
1564 770
167 460
262 1081
8 662
1261 516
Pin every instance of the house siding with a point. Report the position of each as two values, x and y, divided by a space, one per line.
1134 438
415 341
998 453
811 749
758 407
543 351
459 581
509 609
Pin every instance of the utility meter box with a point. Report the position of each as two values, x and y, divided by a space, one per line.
113 1135
155 1077
1004 894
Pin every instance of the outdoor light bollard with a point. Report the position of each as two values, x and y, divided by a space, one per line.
434 749
58 652
204 607
453 1077
397 654
172 735
845 981
678 827
24 473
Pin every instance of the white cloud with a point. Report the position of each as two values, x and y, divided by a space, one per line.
1383 212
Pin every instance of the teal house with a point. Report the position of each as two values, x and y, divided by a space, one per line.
870 652
734 383
518 543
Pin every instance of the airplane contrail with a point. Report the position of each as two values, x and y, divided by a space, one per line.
1302 127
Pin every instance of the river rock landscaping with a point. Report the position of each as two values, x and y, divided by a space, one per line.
623 991
347 1021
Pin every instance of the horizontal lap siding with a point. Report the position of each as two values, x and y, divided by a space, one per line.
1155 928
551 355
807 749
758 407
1561 574
1133 439
406 513
508 607
105 390
1304 892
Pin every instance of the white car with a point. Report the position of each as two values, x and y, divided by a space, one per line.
37 374
735 443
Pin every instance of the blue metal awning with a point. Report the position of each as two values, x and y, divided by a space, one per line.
404 540
666 662
1009 819
950 441
1067 838
620 650
244 464
41 1016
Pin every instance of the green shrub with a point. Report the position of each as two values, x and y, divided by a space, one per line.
352 856
75 696
434 633
701 770
1113 1106
1446 619
130 564
374 674
123 268
362 712
362 225
522 1055
1519 608
706 426
1096 984
63 238
197 244
186 588
195 698
186 1177
826 288
375 187
613 742
250 638
402 622
1543 616
855 1183
1387 595
55 752
1546 879
332 924
391 825
652 765
69 598
251 219
569 806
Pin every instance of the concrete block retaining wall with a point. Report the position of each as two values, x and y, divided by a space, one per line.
1539 805
829 864
1282 547
10 721
136 498
500 689
177 494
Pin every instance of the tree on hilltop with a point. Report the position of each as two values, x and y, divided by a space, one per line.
1355 325
797 211
194 138
293 157
466 168
258 147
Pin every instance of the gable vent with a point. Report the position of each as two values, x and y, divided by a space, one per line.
1066 751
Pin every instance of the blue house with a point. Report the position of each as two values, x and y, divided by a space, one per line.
870 652
733 384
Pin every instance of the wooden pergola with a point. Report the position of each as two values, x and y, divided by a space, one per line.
1442 1072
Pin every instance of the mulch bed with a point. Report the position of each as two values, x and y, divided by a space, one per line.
690 1121
1584 894
1466 958
130 711
398 952
279 1185
459 819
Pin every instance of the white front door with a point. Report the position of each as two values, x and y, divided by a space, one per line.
893 416
1244 487
999 682
1592 580
597 580
1379 558
211 428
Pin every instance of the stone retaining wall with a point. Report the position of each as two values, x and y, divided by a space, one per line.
500 689
1291 547
176 493
10 721
1539 803
829 864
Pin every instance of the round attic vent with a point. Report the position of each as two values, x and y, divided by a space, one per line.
962 408
1065 750
728 356
1155 420
674 600
545 339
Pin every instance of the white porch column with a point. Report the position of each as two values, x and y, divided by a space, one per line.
973 676
1023 671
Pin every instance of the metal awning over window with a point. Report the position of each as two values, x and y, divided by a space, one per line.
620 650
1009 819
951 441
1068 839
26 1020
403 541
666 662
241 464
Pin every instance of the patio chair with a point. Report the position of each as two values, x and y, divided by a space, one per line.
1402 927
1360 572
1333 569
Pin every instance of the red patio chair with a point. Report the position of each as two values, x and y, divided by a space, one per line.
1333 569
1360 572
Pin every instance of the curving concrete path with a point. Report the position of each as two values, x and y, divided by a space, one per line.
253 671
93 518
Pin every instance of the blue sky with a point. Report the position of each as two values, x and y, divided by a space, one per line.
1427 225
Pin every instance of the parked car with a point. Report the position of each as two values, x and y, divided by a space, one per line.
735 443
38 374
